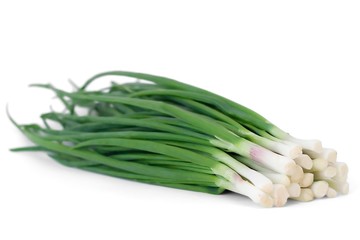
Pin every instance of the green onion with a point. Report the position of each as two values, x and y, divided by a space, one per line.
242 113
226 139
171 134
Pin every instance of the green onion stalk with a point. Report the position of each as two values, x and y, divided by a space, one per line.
223 138
236 110
223 177
185 142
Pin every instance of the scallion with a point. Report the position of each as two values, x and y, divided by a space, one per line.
164 132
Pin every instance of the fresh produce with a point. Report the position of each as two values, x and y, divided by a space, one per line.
160 131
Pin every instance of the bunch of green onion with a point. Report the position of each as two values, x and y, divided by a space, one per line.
160 131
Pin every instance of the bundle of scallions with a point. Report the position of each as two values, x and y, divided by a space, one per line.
160 131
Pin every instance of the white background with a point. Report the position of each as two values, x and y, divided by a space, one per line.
296 62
